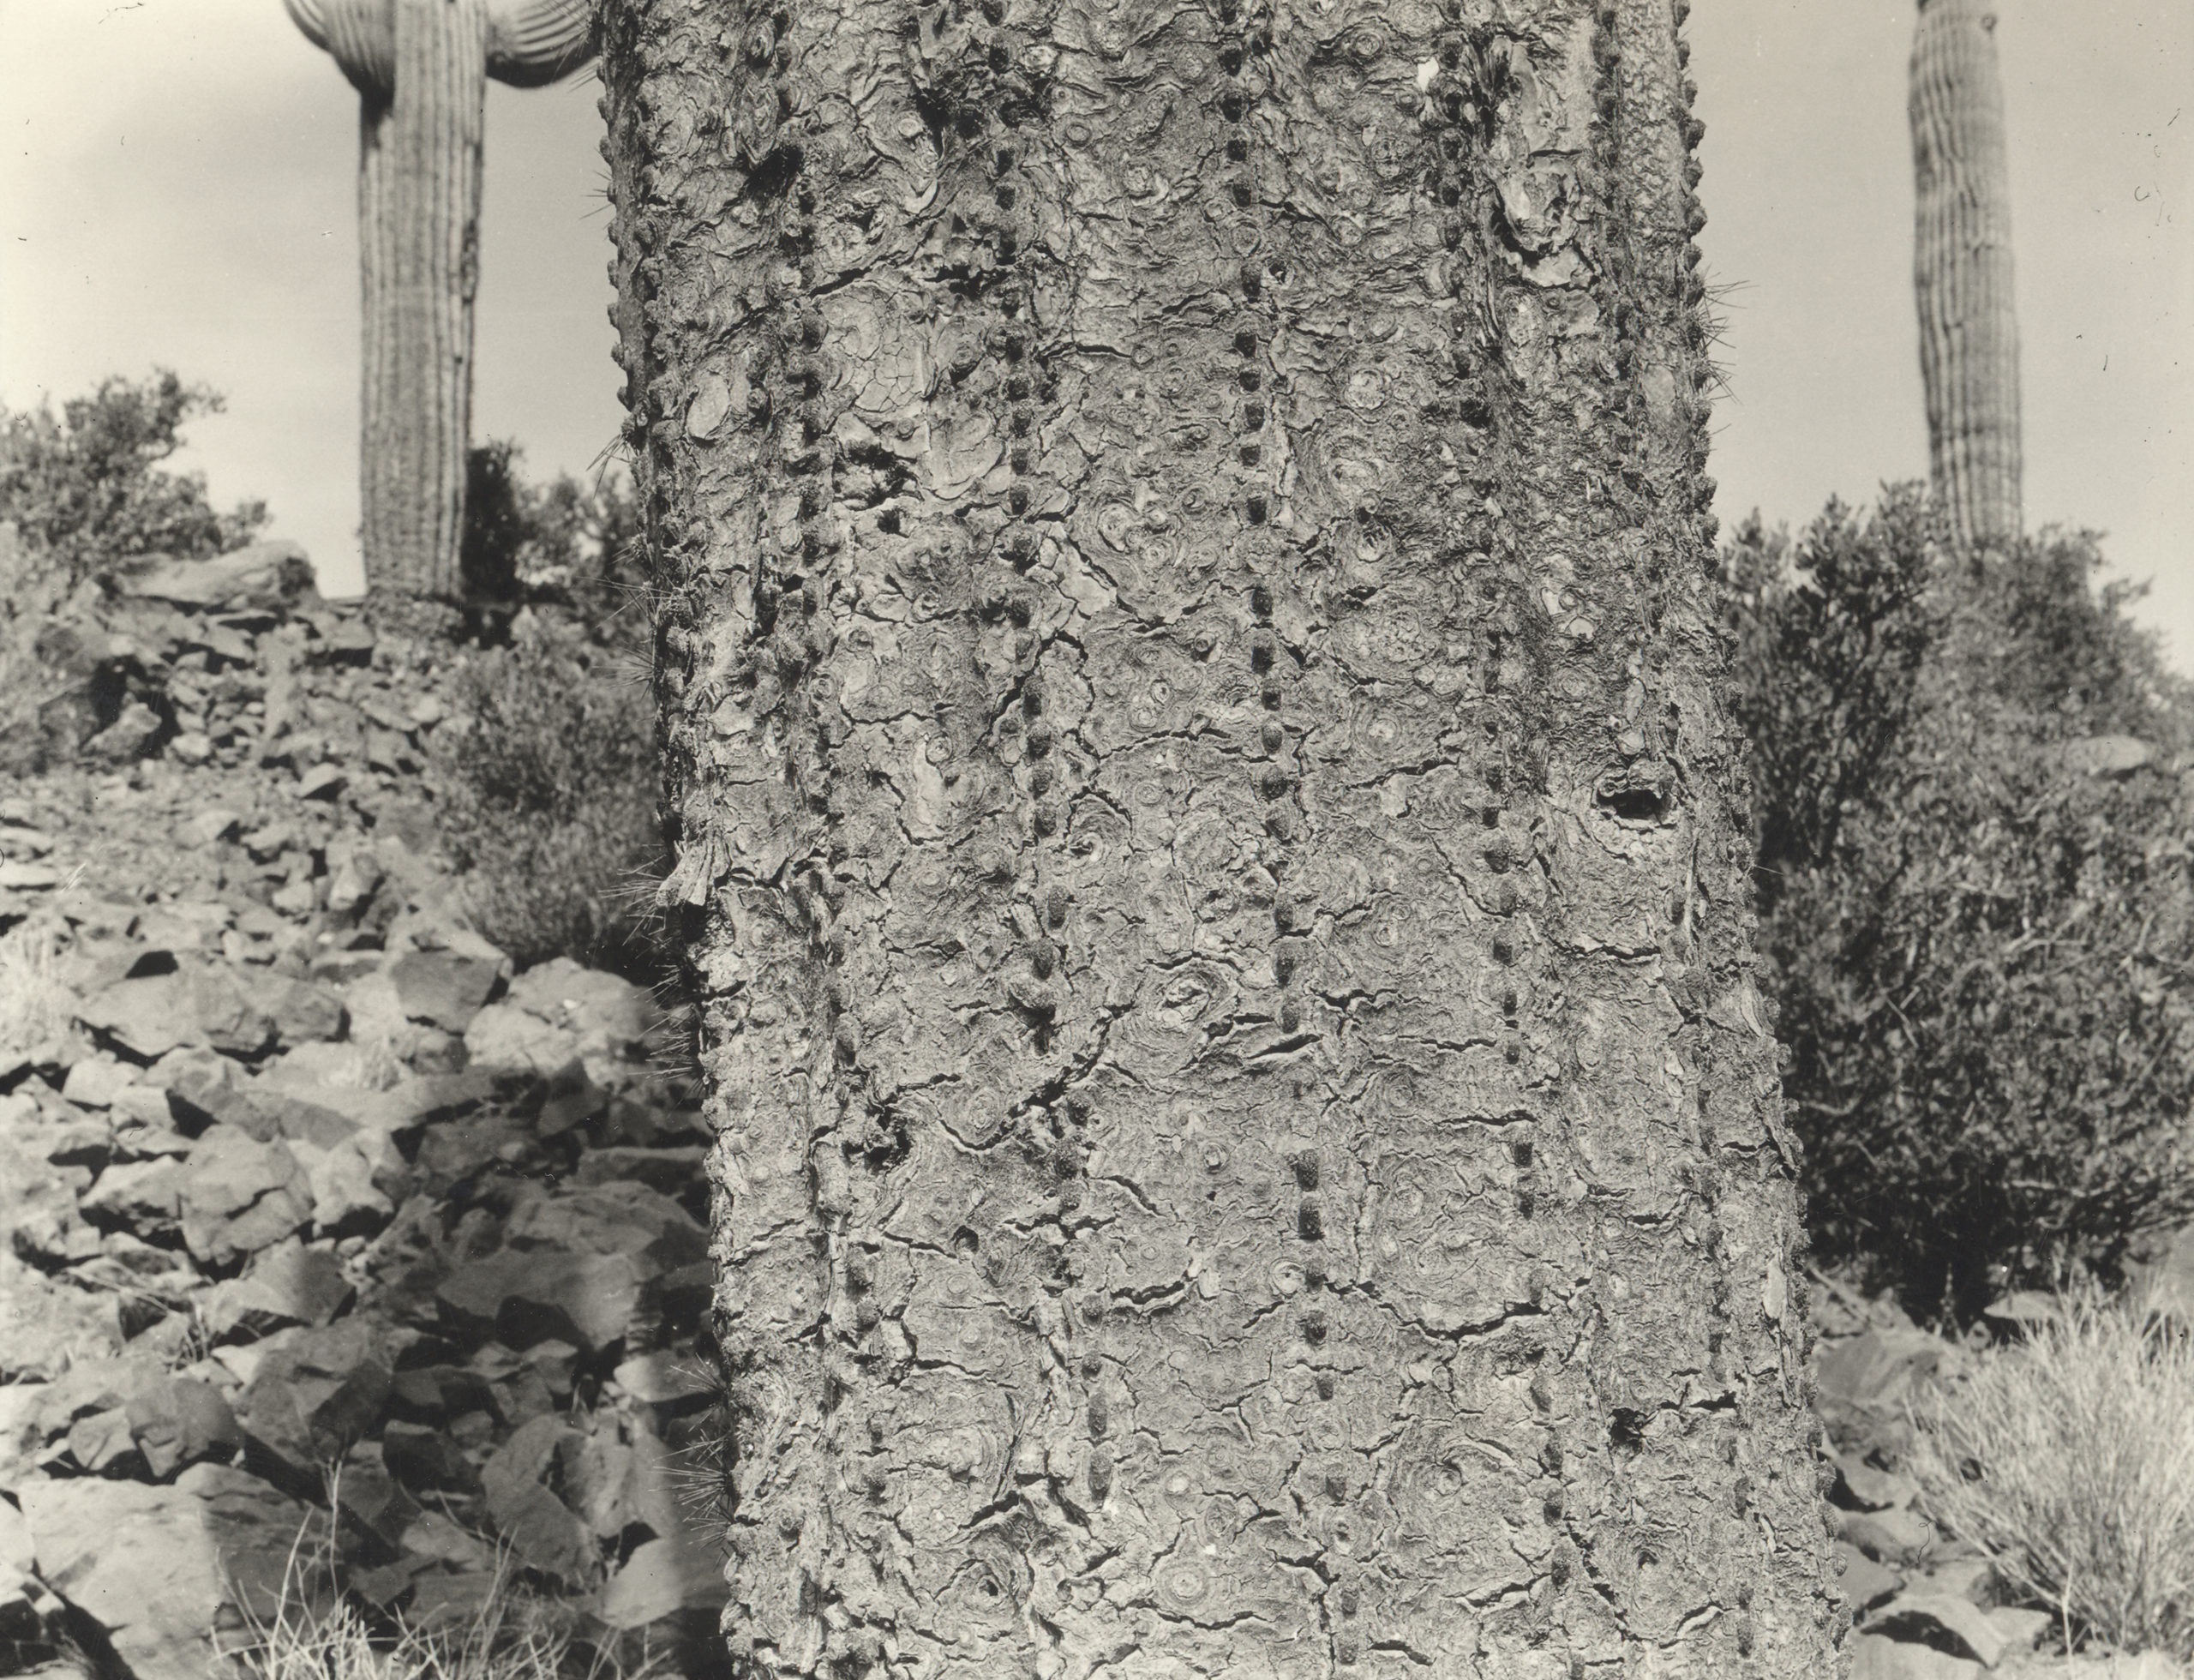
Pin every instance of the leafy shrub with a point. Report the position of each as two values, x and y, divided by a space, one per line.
1979 951
86 489
564 540
2068 1458
548 793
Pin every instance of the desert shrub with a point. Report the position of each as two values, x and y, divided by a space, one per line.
86 489
563 542
2068 1458
547 792
1979 948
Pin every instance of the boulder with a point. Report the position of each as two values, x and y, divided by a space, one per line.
446 985
46 1326
539 1527
273 576
139 1562
1874 1657
240 1195
427 1460
316 1394
356 1184
272 1550
587 1299
38 1207
179 1421
144 1197
287 1284
664 1576
505 1038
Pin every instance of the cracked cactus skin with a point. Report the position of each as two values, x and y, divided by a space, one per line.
1961 272
1211 854
421 69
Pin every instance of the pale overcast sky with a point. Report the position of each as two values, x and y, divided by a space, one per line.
176 187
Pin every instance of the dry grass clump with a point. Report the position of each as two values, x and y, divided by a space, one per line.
2068 1459
32 1011
512 1635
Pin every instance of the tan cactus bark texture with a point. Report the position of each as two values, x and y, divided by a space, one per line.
1211 855
1962 271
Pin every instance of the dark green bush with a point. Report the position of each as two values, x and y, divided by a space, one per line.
563 542
547 792
88 494
1981 947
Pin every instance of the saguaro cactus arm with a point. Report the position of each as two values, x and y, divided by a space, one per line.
421 69
1962 270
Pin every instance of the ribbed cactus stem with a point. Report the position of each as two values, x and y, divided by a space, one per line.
1961 272
421 68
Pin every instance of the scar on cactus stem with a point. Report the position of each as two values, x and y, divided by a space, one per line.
421 69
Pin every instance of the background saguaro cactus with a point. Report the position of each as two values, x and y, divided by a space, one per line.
421 69
1962 270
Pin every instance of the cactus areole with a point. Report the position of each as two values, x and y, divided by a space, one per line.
421 69
1962 271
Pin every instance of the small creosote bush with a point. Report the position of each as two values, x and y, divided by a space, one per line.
86 490
1980 945
548 795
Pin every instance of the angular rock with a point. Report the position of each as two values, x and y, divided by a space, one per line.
1874 1657
371 1495
1943 1621
324 782
662 1577
131 736
425 1459
46 1326
1861 1486
139 1561
1891 1537
214 824
668 1171
447 988
1863 1582
288 1284
272 1550
587 1299
271 577
179 1421
97 1082
356 1184
317 1394
199 1004
240 1196
141 1196
21 1436
38 1207
505 1038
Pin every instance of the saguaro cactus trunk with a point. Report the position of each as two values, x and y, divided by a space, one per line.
1212 858
421 67
1962 270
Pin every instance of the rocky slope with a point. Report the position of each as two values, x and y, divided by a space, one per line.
314 1217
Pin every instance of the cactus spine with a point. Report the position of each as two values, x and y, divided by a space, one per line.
1962 271
421 69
